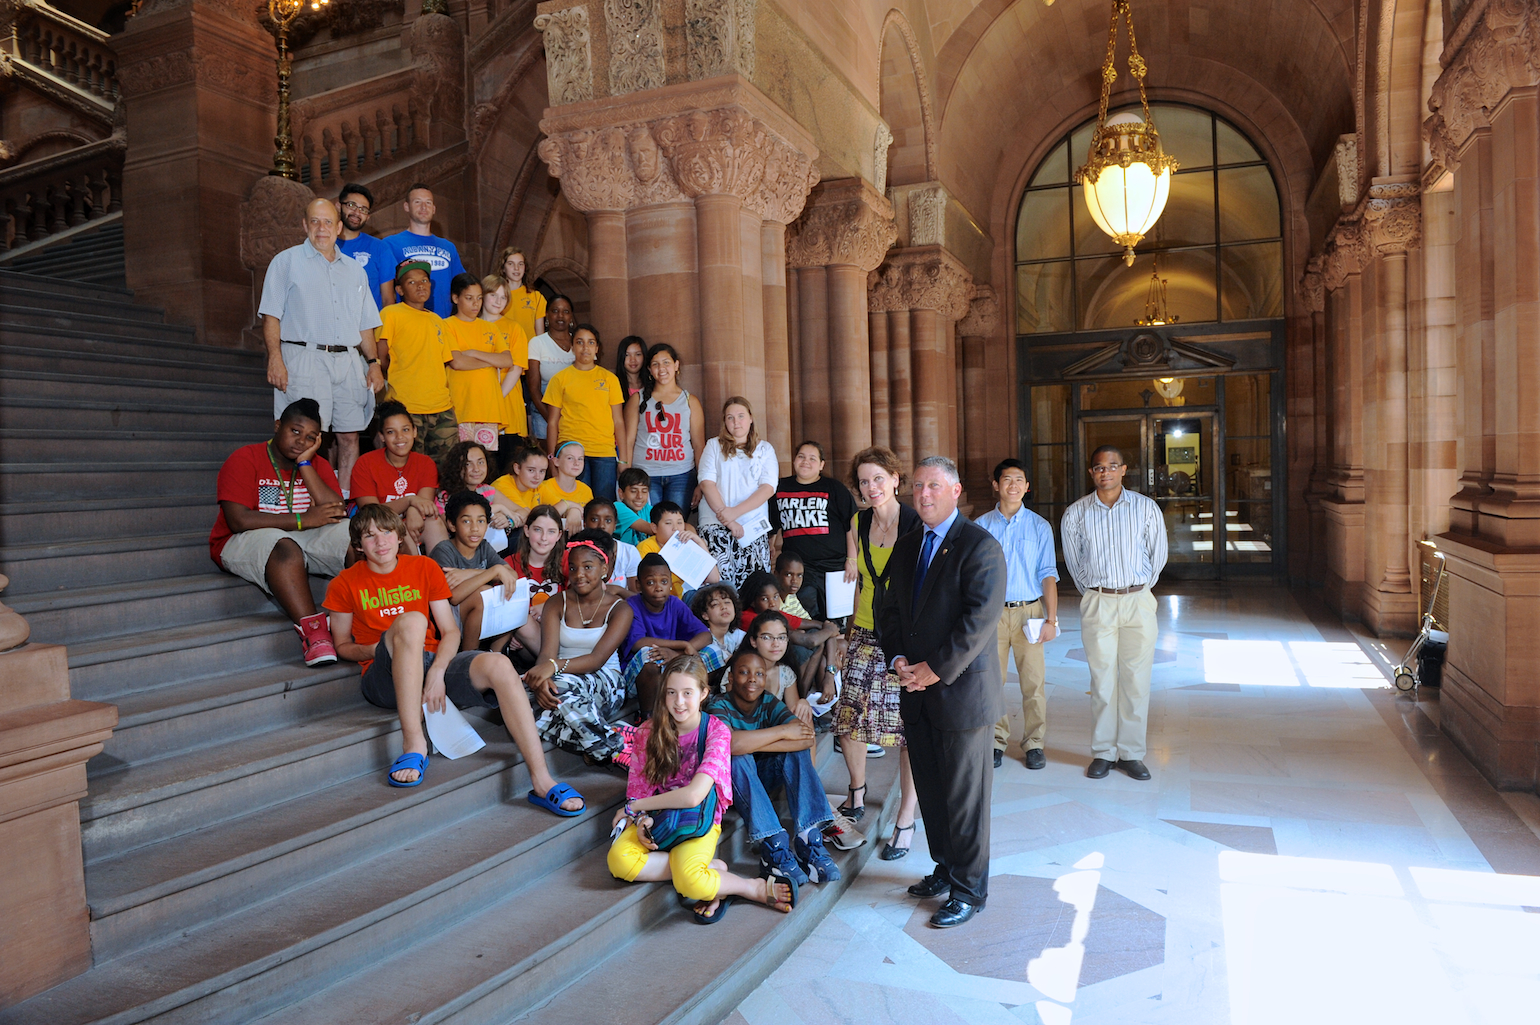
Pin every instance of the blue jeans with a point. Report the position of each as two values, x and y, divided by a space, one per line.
599 474
757 776
676 487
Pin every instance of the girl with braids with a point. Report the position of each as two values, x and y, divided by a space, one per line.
577 682
674 769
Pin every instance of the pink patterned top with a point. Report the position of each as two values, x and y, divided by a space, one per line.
717 764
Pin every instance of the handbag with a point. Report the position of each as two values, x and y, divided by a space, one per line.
673 826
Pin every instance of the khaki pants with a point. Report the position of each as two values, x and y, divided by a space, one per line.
1118 633
1030 671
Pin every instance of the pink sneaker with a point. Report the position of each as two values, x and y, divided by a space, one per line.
315 635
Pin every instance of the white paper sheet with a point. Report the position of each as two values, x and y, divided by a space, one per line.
498 539
452 736
1033 628
499 615
820 707
839 598
689 561
755 526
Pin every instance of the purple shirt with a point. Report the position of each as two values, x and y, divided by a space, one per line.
675 623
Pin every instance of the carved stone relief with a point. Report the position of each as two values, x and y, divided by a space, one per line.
927 216
715 152
983 318
880 156
593 167
846 224
930 279
1312 286
720 37
1346 253
438 75
635 29
568 55
1347 170
1393 217
272 219
1501 53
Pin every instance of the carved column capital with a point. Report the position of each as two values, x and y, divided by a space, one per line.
1346 253
1312 286
715 152
594 168
1501 52
846 222
568 55
922 278
983 318
1392 219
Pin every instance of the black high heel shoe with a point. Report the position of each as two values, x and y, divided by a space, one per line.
892 853
852 813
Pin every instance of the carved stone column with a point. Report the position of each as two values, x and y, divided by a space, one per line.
45 740
1313 296
974 333
841 237
1345 258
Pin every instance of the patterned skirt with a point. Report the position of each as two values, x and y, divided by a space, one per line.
735 560
581 722
867 710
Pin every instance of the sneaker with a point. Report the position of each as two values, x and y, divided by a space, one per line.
815 861
776 858
315 636
843 834
876 751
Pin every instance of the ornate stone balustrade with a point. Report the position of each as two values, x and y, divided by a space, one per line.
44 197
59 45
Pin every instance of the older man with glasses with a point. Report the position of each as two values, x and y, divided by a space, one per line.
1115 547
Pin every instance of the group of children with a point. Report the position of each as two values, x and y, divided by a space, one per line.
609 621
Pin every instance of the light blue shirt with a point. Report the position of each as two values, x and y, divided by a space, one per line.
316 300
1029 556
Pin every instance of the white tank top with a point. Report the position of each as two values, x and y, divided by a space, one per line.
663 446
577 641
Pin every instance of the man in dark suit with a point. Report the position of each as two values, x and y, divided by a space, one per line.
937 622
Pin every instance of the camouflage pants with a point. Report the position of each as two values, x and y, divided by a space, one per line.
437 433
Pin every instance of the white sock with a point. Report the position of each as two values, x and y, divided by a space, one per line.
805 834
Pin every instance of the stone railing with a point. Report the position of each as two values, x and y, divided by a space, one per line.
57 44
44 197
349 132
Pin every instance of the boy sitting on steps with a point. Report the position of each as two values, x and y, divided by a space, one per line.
384 609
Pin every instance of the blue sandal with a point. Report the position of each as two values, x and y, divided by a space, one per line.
552 801
408 760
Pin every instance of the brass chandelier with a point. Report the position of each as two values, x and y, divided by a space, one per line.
1127 176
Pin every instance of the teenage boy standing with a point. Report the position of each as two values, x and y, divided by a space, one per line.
414 352
418 242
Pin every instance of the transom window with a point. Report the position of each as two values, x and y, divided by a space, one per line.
1218 245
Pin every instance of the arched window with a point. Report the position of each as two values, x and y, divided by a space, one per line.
1218 245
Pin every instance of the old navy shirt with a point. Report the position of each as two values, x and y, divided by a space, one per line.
1029 557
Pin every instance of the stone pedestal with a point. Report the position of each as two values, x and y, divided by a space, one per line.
199 91
45 740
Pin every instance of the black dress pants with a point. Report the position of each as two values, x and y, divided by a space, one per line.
954 772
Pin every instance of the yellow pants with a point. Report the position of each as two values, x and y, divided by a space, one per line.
689 863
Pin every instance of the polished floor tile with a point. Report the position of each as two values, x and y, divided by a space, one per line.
1311 848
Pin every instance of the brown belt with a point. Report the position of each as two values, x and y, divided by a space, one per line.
1120 590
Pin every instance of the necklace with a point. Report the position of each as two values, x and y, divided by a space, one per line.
880 529
286 491
587 620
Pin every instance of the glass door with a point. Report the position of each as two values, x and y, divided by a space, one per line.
1127 434
1181 460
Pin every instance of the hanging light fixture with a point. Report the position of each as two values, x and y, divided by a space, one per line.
1126 177
1155 310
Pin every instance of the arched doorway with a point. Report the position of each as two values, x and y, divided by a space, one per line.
1178 360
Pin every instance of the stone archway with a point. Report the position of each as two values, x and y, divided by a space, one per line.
905 105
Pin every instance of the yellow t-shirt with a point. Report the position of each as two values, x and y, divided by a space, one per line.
477 394
550 493
585 398
508 485
525 306
417 357
515 420
651 547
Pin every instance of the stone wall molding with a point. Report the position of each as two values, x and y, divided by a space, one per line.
983 317
1312 286
1392 216
880 146
635 30
720 37
846 222
1500 52
568 55
922 278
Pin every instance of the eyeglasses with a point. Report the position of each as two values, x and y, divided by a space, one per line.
1107 469
350 205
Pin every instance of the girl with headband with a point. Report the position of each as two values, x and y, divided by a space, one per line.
577 685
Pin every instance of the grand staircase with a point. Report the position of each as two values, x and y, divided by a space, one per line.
244 857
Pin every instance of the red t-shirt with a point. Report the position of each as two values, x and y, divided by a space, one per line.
540 589
248 478
375 599
374 477
749 616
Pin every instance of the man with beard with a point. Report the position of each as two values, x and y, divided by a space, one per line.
356 201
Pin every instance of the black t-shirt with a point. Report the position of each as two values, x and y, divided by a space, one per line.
813 519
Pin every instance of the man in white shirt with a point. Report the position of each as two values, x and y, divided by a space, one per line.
1115 547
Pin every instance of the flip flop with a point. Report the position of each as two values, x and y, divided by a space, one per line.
712 919
408 760
771 902
552 801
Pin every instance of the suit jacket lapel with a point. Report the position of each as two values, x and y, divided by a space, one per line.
944 547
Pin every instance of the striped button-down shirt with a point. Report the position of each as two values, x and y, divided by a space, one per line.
1121 546
324 302
1029 557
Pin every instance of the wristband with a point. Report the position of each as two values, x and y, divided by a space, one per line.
299 524
371 361
303 462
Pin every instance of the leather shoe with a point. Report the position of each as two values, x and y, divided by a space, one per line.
931 886
953 913
1134 767
999 757
1098 768
1035 758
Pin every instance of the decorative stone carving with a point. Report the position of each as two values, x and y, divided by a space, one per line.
438 74
720 37
846 223
880 156
635 29
983 318
1393 216
789 176
1347 170
925 278
593 166
1500 53
715 152
568 55
14 630
158 72
927 216
271 220
1312 286
1346 253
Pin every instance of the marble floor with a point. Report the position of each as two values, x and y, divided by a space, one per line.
1311 849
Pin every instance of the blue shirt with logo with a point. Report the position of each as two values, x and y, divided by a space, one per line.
438 253
374 256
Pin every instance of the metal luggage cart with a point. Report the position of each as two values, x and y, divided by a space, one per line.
1407 676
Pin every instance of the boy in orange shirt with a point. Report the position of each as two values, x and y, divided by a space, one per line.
383 609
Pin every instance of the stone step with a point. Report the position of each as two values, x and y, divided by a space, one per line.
84 320
411 882
254 418
84 518
66 446
62 565
38 291
66 292
104 669
127 367
49 384
105 341
114 610
31 481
